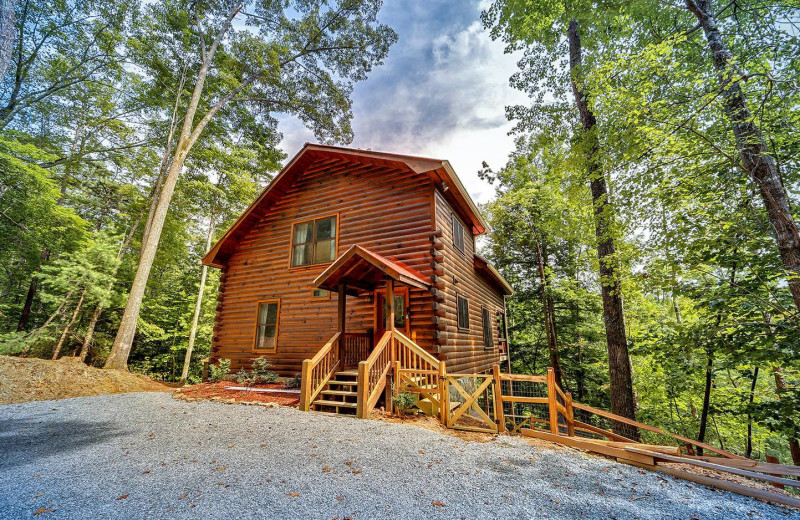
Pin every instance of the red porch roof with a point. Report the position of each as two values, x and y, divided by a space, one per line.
363 269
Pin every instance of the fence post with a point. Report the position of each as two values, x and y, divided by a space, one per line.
570 414
551 400
305 386
498 399
444 394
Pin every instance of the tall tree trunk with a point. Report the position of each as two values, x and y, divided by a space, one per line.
706 400
749 447
547 314
7 30
756 159
794 444
69 325
619 364
32 288
198 306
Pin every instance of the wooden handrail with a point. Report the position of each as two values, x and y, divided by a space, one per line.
370 382
631 422
421 352
314 377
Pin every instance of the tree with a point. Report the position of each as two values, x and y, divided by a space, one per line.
7 25
541 28
283 63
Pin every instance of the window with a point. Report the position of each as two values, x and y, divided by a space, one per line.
488 340
458 234
314 241
463 312
320 294
267 325
501 326
399 311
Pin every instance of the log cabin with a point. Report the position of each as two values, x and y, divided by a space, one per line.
354 260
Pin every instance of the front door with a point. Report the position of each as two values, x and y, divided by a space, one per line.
400 311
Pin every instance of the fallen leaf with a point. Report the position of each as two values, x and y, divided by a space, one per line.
231 446
122 497
295 494
340 498
326 469
422 452
43 510
437 503
356 471
639 498
37 495
349 463
183 496
220 468
152 435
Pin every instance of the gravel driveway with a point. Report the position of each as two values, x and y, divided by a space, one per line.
146 455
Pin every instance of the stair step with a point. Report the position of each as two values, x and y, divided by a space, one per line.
324 402
343 383
340 392
351 373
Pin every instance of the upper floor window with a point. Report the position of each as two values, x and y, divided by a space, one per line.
463 312
267 325
501 326
488 339
314 241
458 234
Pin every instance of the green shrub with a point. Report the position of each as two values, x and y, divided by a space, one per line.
404 401
243 377
262 372
218 372
294 382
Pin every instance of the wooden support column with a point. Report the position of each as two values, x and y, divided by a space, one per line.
392 347
570 414
551 400
342 318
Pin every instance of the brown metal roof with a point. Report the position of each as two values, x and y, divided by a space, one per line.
440 172
363 269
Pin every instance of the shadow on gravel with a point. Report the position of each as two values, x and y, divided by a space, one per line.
24 441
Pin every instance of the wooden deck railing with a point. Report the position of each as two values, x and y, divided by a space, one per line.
417 371
355 347
318 370
372 375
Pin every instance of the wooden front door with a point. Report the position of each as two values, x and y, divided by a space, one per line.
400 311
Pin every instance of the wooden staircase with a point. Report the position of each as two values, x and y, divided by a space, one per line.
340 394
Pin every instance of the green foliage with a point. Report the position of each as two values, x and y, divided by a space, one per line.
294 382
218 372
262 370
404 401
243 377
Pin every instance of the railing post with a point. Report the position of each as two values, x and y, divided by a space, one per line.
444 394
363 390
570 414
498 399
305 386
551 400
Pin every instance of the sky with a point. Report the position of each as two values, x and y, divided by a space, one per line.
441 92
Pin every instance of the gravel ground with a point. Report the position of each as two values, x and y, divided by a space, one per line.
146 455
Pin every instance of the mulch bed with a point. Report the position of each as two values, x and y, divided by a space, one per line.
219 392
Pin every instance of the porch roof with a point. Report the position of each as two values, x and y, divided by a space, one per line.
360 268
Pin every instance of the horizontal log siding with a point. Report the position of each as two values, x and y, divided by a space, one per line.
464 350
382 209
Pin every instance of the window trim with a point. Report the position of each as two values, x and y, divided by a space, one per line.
314 231
501 331
328 297
459 297
277 326
453 221
486 319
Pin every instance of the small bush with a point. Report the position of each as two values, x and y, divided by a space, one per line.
243 377
404 401
294 382
262 372
218 372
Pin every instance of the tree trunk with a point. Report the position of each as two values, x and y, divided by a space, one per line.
7 29
198 306
69 325
794 444
32 288
619 364
87 339
756 160
706 401
549 321
749 447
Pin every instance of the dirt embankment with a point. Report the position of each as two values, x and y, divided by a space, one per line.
23 380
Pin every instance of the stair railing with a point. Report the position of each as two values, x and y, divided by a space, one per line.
372 375
318 370
417 371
